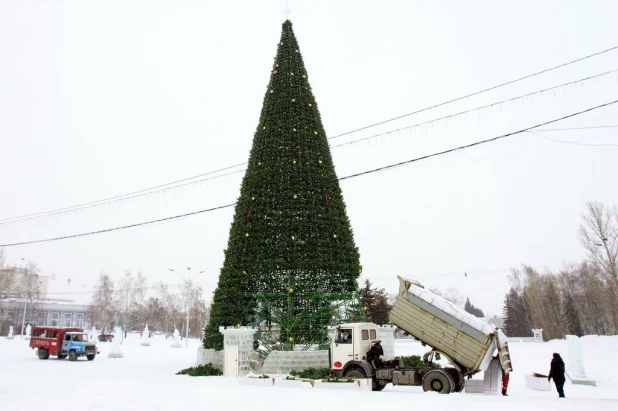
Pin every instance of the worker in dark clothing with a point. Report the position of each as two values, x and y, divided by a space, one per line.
374 354
557 373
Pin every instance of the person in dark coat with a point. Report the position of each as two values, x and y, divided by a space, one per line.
557 373
373 356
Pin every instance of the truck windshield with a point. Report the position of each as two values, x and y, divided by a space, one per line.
79 337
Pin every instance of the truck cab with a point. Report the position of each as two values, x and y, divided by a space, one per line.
62 342
349 350
76 344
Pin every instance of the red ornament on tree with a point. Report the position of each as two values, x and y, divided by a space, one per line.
244 251
248 216
326 199
293 113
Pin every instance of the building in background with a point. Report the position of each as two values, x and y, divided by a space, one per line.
30 291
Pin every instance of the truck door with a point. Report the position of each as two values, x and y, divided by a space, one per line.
343 348
65 342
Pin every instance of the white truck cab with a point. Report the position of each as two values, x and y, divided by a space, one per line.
352 342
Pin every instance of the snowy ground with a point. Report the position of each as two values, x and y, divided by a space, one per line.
145 380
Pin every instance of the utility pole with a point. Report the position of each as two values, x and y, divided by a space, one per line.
23 319
187 303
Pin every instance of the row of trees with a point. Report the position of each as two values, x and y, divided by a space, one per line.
579 299
166 310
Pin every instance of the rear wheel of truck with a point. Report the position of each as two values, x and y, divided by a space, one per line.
355 373
378 385
43 354
458 378
72 355
90 357
438 381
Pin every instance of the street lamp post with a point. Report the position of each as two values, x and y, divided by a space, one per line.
186 305
23 319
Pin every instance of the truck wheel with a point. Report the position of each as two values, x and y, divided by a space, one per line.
438 381
378 385
43 354
459 379
90 357
72 355
355 373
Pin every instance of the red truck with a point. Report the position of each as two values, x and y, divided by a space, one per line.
62 342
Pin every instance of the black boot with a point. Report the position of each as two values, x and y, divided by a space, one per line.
504 392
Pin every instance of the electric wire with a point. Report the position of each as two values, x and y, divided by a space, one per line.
191 180
575 142
387 167
480 92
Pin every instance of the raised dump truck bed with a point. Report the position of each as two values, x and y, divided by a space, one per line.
465 339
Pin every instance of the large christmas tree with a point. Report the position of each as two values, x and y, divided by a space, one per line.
291 252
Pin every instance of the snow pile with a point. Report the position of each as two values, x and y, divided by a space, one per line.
145 337
451 309
116 351
176 337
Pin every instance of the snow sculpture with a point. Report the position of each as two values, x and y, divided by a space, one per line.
93 334
145 337
28 331
176 337
10 336
116 351
576 358
575 369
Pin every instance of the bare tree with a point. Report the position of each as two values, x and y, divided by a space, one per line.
171 307
130 296
193 303
598 234
102 310
7 281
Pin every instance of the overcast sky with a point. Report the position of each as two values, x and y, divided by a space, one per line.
103 98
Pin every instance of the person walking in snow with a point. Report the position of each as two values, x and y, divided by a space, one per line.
557 373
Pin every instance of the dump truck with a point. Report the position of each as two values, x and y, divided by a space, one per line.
467 343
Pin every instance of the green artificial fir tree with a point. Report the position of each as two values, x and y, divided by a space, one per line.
291 251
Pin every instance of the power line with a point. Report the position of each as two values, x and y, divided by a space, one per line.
59 210
191 180
480 108
490 140
151 287
578 128
575 142
478 92
336 136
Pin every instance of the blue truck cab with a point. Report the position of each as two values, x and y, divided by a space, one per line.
75 345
